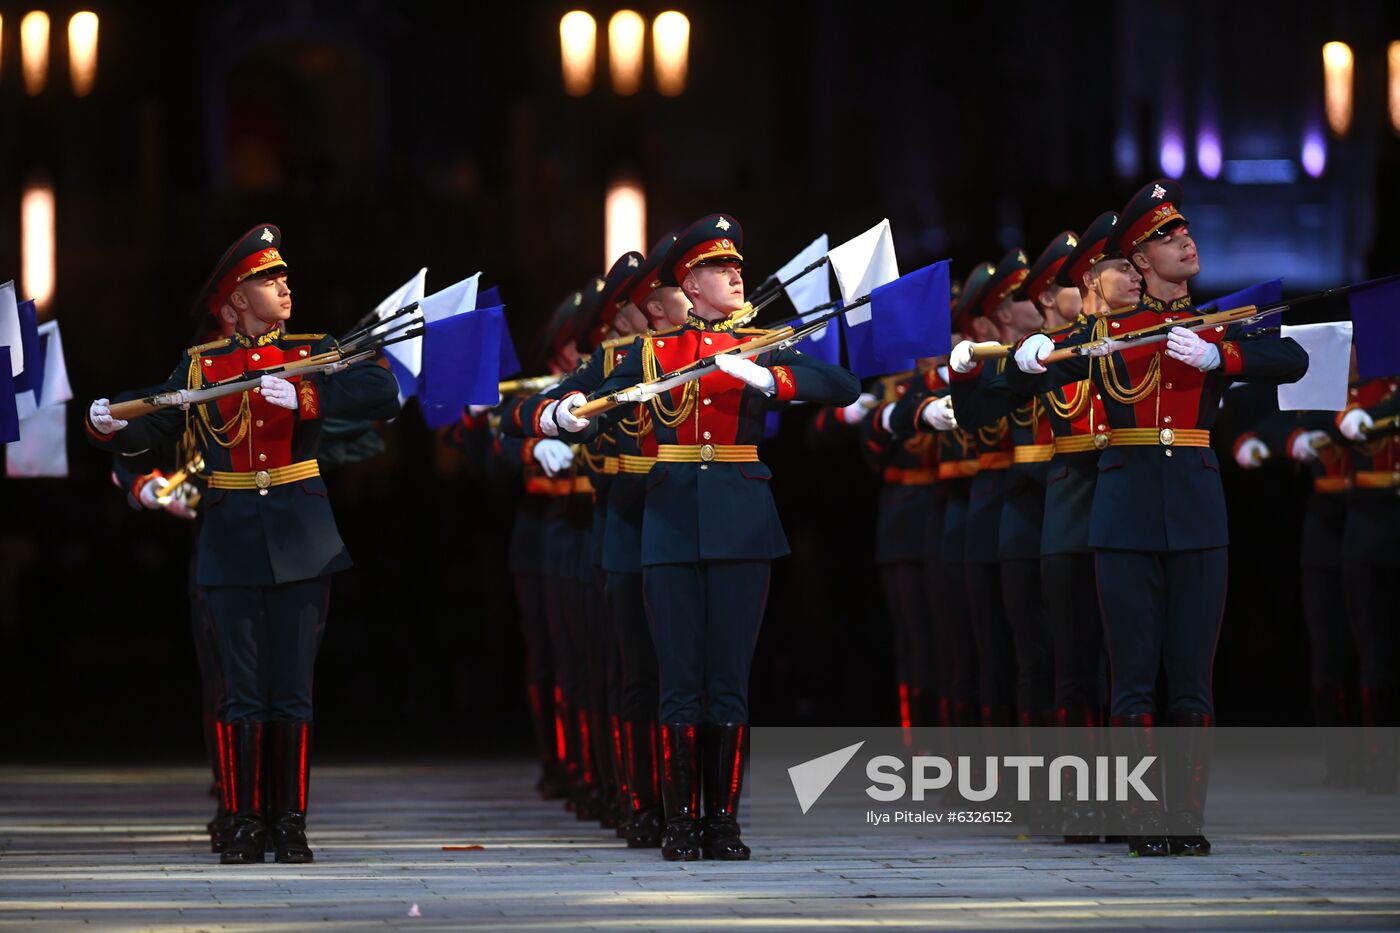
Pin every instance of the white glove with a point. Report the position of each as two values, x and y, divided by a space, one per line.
554 456
760 377
1304 448
942 373
561 413
278 391
101 417
1032 350
939 415
178 507
1252 453
960 360
854 412
1192 349
1355 424
150 497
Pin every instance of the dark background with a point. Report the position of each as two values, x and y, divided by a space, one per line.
383 137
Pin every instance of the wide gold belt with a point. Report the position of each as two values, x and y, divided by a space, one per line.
1032 453
1164 437
262 480
627 463
995 460
1332 483
1079 443
957 469
1376 479
610 466
894 476
707 453
558 486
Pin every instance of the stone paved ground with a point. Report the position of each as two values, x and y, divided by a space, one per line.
116 849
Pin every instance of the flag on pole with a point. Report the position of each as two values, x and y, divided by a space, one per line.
862 264
10 335
1375 316
910 315
9 414
811 291
461 363
1324 386
406 358
29 383
42 449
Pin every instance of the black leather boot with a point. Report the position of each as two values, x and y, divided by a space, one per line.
584 792
643 784
291 779
1146 819
680 789
1083 741
724 752
553 782
248 841
1189 780
221 827
1378 712
600 728
621 776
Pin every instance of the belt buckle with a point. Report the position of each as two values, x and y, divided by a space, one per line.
262 479
1101 441
1167 436
707 452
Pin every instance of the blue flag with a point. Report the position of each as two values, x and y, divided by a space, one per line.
461 364
1261 295
910 315
9 413
1375 321
33 376
510 361
861 356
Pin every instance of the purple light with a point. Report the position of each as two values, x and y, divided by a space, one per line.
1125 156
1173 156
1314 153
1208 158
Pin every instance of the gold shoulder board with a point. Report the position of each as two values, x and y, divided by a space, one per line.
211 345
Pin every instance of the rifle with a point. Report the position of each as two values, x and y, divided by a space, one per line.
332 361
529 385
784 336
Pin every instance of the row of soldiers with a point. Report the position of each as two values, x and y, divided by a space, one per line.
1037 513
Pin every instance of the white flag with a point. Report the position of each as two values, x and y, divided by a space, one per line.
42 450
1324 388
452 300
55 389
863 264
813 289
9 327
409 353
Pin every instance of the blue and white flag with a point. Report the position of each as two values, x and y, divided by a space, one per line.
510 360
10 335
42 450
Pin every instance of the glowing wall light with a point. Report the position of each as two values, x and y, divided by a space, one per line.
670 44
1337 69
82 52
1208 157
1173 154
37 242
34 50
627 33
1394 56
1314 156
578 51
625 220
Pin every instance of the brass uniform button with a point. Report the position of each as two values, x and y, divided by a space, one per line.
1101 441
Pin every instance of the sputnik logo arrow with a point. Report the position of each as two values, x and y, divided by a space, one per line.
811 778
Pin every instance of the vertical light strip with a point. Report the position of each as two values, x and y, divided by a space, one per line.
627 33
37 242
670 44
625 220
1338 67
1393 55
578 51
1314 156
82 52
34 50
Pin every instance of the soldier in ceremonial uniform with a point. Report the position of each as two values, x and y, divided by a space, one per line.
1158 524
268 542
929 409
1099 279
710 530
996 315
1370 555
